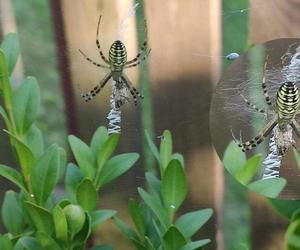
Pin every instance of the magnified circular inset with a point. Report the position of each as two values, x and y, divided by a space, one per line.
255 119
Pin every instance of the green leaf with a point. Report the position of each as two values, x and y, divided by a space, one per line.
292 233
5 85
246 174
153 182
47 242
191 222
195 244
102 247
62 163
44 174
166 149
115 167
87 196
5 117
12 175
137 216
152 146
41 217
174 186
179 157
12 214
5 243
75 217
285 207
27 243
83 155
155 205
100 216
234 158
98 139
73 178
26 157
60 223
108 147
270 187
84 233
34 140
11 48
125 228
174 239
148 244
26 103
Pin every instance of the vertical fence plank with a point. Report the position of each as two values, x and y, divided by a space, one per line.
64 66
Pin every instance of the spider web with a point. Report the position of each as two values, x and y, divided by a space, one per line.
245 76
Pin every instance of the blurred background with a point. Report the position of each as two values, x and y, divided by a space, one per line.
189 41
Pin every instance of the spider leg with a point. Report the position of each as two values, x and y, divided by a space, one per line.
251 105
264 87
139 61
259 138
296 127
98 44
91 61
144 47
89 95
133 91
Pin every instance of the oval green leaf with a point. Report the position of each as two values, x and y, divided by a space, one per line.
98 139
154 203
166 148
137 216
47 242
191 222
234 158
83 155
246 174
26 157
195 244
34 140
41 217
108 147
73 178
26 103
60 223
174 239
27 243
100 216
87 196
115 167
12 214
270 187
44 174
12 175
174 186
10 46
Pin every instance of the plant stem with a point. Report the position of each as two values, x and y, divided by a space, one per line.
7 96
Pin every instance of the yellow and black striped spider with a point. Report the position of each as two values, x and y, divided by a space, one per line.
283 115
116 62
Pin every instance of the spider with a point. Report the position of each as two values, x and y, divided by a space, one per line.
283 113
116 62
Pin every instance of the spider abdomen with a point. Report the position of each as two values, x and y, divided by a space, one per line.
287 101
117 56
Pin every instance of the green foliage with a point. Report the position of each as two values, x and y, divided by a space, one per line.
244 171
292 239
153 218
36 219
